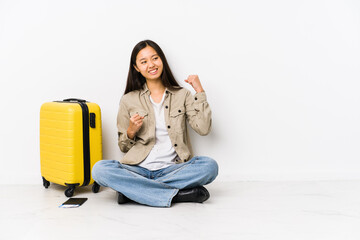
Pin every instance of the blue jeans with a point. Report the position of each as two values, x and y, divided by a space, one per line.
154 188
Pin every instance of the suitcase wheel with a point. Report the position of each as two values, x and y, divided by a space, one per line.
46 183
95 187
70 191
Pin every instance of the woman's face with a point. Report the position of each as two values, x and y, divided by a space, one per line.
149 64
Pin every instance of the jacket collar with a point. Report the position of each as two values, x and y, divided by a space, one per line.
145 89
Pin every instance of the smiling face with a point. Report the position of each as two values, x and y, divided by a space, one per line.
149 64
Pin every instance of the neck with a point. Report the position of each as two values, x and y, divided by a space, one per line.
155 87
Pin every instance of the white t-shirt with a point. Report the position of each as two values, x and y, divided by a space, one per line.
163 153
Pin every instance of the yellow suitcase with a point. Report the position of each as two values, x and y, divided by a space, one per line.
70 143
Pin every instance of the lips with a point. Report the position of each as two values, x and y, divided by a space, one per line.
153 71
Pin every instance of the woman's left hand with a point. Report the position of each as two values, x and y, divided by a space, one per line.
194 81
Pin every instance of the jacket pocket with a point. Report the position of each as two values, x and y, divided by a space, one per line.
177 118
145 126
142 113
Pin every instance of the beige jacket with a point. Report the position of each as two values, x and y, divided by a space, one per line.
180 105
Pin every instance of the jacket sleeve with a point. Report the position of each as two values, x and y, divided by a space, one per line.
198 112
123 119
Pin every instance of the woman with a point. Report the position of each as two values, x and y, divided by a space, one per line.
158 168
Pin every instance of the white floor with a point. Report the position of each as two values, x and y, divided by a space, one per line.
236 210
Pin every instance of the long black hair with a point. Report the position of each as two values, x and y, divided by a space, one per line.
135 80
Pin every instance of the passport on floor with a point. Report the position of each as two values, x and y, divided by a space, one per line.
73 203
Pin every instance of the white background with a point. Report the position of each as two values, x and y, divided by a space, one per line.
282 78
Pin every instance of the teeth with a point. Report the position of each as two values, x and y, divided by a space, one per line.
152 71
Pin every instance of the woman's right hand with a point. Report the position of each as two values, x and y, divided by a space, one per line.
135 124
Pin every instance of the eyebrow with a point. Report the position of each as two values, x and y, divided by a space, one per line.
151 56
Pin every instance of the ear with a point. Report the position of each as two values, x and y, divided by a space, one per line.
136 68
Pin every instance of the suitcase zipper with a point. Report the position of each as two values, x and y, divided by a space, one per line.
86 143
86 138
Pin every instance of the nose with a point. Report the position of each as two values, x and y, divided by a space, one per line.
151 64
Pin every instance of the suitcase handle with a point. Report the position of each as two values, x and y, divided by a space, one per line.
74 100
